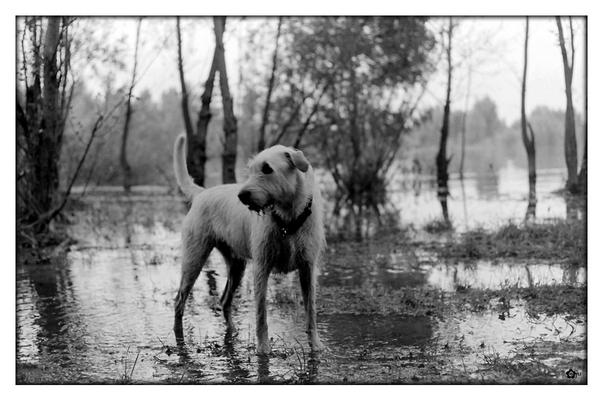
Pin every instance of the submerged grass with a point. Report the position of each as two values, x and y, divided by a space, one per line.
563 241
438 226
567 300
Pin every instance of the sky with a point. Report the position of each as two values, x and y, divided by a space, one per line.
496 45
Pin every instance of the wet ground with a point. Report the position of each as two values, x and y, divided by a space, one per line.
389 311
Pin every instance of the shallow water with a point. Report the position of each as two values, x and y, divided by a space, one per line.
484 200
104 311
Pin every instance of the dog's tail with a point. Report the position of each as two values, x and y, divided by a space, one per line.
184 180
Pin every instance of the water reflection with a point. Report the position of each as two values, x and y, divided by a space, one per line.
112 297
51 306
487 183
236 371
444 203
490 200
366 332
486 275
531 208
575 207
403 269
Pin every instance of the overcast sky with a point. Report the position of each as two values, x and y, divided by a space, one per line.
496 44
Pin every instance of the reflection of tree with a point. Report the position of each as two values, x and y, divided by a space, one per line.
531 209
570 275
464 201
264 375
443 197
235 371
487 183
575 207
529 276
60 329
348 221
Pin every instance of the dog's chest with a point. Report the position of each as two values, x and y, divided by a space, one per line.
283 254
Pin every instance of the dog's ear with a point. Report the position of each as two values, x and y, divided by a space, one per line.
297 160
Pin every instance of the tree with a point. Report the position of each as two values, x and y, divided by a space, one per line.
349 89
485 120
42 106
570 137
528 136
128 111
265 118
229 120
442 161
196 140
582 177
463 132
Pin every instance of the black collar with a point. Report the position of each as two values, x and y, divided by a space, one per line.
287 229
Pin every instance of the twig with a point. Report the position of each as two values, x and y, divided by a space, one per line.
134 363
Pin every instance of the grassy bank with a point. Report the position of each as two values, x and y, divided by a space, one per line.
560 241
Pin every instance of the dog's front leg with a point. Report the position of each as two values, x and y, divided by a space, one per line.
308 282
261 277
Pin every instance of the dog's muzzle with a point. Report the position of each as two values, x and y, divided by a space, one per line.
245 197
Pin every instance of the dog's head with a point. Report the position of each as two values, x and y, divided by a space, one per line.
275 177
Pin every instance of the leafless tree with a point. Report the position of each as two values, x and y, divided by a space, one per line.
128 112
527 135
42 108
463 132
229 120
442 161
196 140
570 135
265 117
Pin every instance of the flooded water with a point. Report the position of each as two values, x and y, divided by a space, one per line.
484 200
387 313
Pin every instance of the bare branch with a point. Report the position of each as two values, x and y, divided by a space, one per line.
310 116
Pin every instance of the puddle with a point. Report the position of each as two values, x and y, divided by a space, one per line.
104 312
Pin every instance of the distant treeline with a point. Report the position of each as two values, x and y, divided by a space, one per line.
490 141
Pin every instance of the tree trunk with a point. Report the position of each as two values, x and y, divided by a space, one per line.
582 178
463 135
185 107
196 141
229 120
570 135
441 160
128 111
46 166
528 138
265 118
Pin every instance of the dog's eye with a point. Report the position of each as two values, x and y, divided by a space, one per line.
266 169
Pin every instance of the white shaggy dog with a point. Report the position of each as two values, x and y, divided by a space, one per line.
275 219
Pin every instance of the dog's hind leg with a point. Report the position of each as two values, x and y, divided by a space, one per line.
235 273
194 258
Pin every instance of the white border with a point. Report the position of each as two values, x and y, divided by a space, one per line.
266 7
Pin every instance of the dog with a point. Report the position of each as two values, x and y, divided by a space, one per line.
274 219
